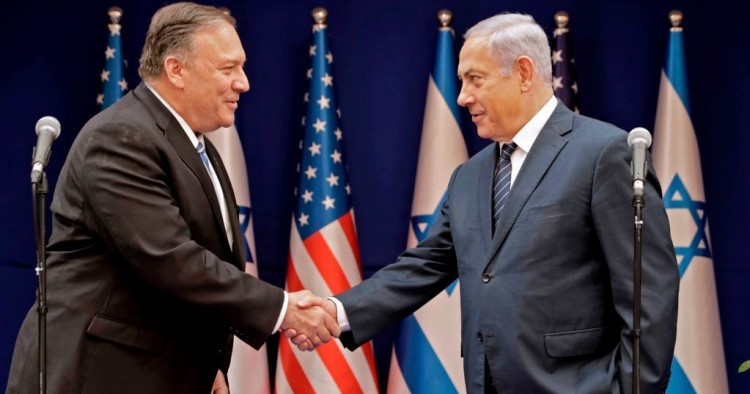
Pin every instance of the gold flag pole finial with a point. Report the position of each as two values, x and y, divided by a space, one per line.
675 17
320 15
445 17
115 13
562 19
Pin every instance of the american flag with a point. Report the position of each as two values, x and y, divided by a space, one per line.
564 80
427 352
113 76
248 371
323 251
698 365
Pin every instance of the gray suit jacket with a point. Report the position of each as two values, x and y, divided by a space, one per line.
144 291
547 300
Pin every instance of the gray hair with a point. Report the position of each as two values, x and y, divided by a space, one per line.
511 36
172 31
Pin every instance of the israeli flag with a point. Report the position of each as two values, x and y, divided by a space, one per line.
427 354
698 365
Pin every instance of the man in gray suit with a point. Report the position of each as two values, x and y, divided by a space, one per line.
546 269
146 263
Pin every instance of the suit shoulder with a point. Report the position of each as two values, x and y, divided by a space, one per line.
128 117
488 152
595 130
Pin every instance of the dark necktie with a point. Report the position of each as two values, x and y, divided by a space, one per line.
502 183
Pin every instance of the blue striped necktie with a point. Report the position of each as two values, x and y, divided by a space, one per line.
204 157
501 187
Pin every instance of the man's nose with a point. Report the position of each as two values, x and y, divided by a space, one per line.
464 98
242 83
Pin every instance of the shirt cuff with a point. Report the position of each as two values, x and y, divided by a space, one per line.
282 314
341 315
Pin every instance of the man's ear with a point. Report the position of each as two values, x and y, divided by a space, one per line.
526 70
175 70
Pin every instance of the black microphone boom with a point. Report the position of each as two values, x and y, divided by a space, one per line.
639 139
47 130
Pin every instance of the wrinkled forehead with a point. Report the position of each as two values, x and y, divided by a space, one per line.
220 41
475 53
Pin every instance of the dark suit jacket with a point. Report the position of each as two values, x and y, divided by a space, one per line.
547 300
144 291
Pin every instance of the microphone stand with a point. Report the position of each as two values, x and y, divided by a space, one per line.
40 191
638 203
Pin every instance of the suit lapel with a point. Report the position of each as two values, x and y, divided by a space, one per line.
484 194
185 149
238 238
188 154
543 152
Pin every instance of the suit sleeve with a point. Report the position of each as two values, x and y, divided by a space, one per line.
399 289
613 216
124 176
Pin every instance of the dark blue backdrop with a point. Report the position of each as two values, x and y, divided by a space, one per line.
52 54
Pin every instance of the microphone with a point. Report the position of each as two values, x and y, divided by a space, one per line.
639 139
47 130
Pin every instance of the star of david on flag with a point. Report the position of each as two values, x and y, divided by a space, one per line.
698 365
248 370
426 355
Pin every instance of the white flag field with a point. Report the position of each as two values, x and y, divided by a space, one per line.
248 372
698 365
426 356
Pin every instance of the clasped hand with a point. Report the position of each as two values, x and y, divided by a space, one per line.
310 321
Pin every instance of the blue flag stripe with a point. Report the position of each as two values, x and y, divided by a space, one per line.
444 73
679 382
675 68
420 366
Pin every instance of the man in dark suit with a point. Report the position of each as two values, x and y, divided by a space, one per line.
145 267
546 269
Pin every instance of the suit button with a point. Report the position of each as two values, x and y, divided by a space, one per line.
480 337
486 278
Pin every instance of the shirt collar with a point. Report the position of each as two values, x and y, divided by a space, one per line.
528 133
193 136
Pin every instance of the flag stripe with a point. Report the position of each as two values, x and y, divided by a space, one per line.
675 69
370 358
699 364
347 224
248 370
292 367
678 381
421 367
444 73
293 282
434 326
338 238
339 368
324 256
326 262
307 272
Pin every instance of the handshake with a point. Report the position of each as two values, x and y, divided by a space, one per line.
310 321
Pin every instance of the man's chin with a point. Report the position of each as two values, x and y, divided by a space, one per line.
483 133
